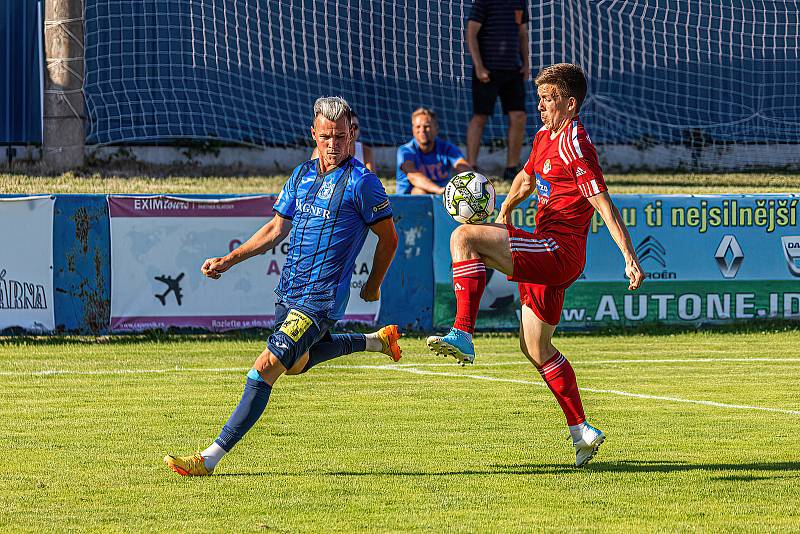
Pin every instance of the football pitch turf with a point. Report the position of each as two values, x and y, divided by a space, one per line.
702 435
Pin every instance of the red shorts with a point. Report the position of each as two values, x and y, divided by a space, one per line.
545 265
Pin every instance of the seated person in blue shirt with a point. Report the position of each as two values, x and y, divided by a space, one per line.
426 163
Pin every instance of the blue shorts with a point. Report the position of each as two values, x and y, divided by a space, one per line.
296 331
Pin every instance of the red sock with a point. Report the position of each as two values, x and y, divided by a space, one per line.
469 281
560 378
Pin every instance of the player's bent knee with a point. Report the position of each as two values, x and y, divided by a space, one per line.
268 366
475 239
299 366
463 235
462 243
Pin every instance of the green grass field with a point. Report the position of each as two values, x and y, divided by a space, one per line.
702 436
195 181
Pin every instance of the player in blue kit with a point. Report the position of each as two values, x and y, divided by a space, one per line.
326 208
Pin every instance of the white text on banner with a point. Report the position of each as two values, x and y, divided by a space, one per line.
26 263
158 245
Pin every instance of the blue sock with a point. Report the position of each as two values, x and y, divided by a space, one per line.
339 345
250 407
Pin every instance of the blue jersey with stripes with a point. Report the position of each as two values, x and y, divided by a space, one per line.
331 213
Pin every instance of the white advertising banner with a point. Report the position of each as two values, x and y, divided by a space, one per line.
158 245
26 263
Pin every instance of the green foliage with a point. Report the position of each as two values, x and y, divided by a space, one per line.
361 444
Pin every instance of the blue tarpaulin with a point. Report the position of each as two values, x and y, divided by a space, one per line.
20 72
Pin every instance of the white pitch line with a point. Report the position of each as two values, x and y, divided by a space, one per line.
101 372
689 360
611 362
413 370
58 372
592 390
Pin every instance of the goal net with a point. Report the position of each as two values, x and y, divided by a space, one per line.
694 83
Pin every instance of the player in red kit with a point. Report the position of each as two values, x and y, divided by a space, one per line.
564 171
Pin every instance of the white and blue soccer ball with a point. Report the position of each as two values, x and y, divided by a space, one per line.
469 197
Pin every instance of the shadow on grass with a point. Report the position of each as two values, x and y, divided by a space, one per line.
792 469
638 466
724 472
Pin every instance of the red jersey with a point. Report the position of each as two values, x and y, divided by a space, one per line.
567 173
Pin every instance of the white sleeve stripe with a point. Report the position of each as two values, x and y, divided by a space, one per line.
575 142
575 148
572 133
589 189
561 152
563 141
565 145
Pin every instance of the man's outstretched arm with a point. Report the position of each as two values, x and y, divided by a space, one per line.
619 233
384 254
420 180
521 188
266 238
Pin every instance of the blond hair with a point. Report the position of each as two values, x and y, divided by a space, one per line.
424 111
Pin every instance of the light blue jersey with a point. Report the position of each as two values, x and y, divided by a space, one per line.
330 214
437 164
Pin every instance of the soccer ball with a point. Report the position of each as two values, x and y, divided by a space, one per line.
469 197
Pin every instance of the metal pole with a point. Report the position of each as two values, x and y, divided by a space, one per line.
64 137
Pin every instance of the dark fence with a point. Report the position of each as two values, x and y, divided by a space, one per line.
674 71
20 72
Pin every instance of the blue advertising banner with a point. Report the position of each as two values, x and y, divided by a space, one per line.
715 258
81 265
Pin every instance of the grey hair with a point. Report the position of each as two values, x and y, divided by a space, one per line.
331 107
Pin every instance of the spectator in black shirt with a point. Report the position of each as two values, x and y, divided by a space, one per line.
497 36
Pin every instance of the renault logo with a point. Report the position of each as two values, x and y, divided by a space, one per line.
729 256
